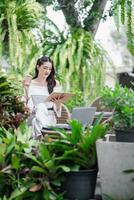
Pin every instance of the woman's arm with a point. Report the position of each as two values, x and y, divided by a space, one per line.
57 104
26 82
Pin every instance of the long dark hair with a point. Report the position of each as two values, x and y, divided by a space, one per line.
51 78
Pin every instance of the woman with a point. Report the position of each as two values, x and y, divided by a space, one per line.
43 83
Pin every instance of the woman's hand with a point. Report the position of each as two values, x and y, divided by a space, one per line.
26 81
57 102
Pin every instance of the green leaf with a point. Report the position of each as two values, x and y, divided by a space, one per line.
76 131
15 162
44 152
5 198
2 159
2 148
107 197
49 164
11 145
57 182
33 158
75 168
38 169
2 152
65 168
17 192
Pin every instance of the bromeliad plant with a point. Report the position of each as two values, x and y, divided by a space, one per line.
121 99
31 169
26 170
76 150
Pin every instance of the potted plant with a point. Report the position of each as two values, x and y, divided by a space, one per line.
76 153
114 156
121 99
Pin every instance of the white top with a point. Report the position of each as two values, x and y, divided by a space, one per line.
40 90
42 117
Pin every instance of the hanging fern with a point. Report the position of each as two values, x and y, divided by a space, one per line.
17 37
130 34
81 63
123 14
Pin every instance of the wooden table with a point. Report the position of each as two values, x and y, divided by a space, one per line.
106 115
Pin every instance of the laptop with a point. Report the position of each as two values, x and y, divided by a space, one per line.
85 115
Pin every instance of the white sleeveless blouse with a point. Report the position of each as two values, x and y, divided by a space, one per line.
40 90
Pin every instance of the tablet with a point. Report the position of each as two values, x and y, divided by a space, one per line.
60 96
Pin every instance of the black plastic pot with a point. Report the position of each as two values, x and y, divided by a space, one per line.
126 135
125 79
80 185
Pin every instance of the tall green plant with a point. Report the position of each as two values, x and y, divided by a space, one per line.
27 59
18 19
2 35
77 149
81 62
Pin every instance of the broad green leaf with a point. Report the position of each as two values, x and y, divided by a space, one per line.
2 148
33 158
38 169
15 162
65 168
2 159
75 168
76 131
44 152
17 192
56 182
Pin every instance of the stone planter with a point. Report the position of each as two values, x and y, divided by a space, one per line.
113 158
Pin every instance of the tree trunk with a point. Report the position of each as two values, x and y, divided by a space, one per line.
91 22
70 13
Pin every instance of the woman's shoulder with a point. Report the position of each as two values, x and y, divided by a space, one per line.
33 82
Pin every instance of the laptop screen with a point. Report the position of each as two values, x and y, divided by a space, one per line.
84 114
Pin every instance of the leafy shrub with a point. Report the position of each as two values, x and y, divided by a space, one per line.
25 172
12 108
121 99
